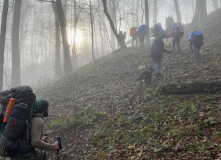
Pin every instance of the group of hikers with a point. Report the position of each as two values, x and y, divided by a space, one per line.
177 31
21 125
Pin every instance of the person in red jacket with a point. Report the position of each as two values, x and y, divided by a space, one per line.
133 34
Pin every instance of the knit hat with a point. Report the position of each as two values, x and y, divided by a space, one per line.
40 106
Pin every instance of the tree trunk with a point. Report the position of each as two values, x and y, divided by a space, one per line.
147 21
177 8
2 40
200 16
195 87
74 51
16 71
122 44
92 31
215 4
62 21
113 16
58 46
155 12
137 13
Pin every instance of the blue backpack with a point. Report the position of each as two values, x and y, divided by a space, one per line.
158 32
142 29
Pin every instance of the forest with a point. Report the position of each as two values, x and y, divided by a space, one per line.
71 52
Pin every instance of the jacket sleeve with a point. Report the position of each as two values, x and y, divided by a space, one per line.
36 131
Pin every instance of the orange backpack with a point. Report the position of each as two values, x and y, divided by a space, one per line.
133 31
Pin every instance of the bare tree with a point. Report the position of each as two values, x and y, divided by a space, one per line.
74 51
16 71
2 40
200 16
155 12
58 46
113 17
62 21
147 20
122 44
177 8
92 29
215 4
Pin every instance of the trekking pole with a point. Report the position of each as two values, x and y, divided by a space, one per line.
44 156
60 146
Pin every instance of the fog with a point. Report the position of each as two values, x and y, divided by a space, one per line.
37 35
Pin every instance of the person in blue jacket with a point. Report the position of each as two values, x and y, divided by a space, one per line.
141 32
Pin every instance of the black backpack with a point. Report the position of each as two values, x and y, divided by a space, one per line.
197 38
15 136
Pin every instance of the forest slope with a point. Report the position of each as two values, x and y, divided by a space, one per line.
102 113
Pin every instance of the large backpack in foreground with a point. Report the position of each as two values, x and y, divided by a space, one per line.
15 135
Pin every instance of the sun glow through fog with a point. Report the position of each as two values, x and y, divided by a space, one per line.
78 37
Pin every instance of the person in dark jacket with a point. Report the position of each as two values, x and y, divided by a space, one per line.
157 50
196 40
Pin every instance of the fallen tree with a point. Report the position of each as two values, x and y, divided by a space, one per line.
195 87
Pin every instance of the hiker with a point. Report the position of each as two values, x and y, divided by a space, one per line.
133 34
157 50
177 33
141 32
39 142
190 41
122 36
196 39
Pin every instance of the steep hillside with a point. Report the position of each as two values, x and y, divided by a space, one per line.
101 112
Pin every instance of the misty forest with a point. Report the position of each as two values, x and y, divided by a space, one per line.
113 93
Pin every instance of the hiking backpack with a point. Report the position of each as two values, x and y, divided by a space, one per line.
15 136
158 32
133 31
178 30
197 38
142 30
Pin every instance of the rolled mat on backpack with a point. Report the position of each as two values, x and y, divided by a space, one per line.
15 136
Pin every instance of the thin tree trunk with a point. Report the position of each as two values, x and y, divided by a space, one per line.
215 4
16 71
177 11
74 51
2 40
92 32
62 21
122 44
137 13
147 21
113 16
155 12
58 46
193 7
